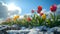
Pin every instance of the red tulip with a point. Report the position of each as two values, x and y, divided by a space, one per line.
53 8
32 11
41 14
38 11
39 8
28 19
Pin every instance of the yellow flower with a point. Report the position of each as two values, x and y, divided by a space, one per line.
15 17
44 16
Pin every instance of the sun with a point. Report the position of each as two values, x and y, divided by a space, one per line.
12 7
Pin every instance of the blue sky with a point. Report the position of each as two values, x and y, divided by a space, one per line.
28 5
25 6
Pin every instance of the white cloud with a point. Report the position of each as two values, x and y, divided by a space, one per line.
45 12
22 16
28 14
3 11
58 9
13 10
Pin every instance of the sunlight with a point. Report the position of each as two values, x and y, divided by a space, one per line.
12 6
12 9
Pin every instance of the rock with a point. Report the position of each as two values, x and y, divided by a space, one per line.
1 32
22 28
43 28
33 32
15 27
54 30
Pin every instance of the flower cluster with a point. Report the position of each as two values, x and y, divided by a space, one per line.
38 20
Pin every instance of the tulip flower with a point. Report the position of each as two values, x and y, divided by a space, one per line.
41 14
44 16
32 11
39 8
28 19
16 17
53 8
38 11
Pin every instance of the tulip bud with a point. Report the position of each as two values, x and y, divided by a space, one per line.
53 8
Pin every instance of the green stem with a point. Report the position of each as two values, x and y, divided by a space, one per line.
54 17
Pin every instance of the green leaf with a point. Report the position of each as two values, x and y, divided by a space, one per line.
51 15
